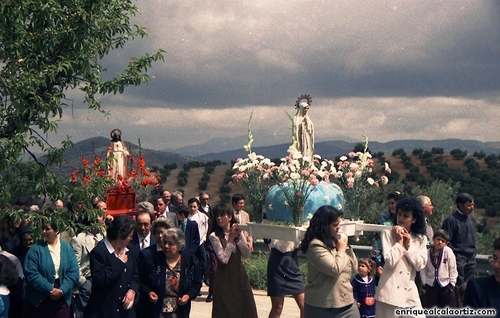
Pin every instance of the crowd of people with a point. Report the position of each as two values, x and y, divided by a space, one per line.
154 264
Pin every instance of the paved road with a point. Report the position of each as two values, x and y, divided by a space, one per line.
201 309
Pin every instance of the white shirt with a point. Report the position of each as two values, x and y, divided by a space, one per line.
283 246
111 249
55 253
202 221
224 253
144 242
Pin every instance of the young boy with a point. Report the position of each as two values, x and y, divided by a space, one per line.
440 274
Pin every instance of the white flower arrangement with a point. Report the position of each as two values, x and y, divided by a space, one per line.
355 174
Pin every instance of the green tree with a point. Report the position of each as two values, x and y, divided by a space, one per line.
458 154
49 48
399 152
437 151
418 151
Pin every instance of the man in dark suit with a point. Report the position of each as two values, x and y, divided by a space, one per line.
162 211
166 198
190 229
142 237
205 207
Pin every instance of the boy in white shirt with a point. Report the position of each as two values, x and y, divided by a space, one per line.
440 274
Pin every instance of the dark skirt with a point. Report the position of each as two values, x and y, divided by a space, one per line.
283 274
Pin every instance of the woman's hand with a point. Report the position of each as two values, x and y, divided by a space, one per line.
380 270
183 300
56 293
406 239
153 297
128 300
234 233
341 244
397 231
123 257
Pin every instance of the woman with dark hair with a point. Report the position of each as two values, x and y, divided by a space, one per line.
388 219
330 265
51 271
405 253
170 279
9 233
115 278
233 295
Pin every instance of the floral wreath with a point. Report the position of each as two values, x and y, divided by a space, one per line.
301 98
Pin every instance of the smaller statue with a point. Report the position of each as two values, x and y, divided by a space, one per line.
304 127
120 154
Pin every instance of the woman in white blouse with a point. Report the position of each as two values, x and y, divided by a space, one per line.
405 252
233 296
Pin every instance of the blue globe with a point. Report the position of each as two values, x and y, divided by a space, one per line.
325 193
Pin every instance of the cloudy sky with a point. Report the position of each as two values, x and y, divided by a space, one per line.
410 69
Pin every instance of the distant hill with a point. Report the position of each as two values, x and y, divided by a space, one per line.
327 149
331 149
99 145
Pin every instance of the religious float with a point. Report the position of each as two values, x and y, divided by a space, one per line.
133 179
121 179
290 191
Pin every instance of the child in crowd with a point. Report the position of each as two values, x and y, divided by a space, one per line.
363 286
440 274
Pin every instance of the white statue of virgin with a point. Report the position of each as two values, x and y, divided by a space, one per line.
304 127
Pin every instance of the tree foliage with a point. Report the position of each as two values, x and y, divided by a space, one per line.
48 49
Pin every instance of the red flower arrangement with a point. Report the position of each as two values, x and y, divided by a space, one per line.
140 180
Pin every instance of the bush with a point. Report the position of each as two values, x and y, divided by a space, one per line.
418 151
205 177
458 154
202 185
209 169
399 152
479 155
182 181
225 189
225 198
415 169
437 151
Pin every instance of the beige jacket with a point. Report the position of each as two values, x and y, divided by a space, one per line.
329 276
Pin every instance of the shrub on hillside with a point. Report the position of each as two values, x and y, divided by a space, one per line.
479 155
209 169
458 154
182 181
399 152
225 198
418 151
202 185
225 189
205 176
437 151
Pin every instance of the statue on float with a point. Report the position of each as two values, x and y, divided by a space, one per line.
118 151
304 127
